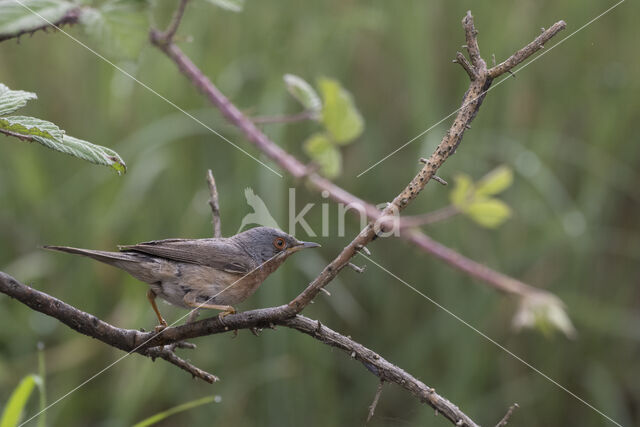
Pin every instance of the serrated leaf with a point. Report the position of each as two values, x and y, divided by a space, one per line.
51 136
16 19
545 313
495 181
488 213
95 153
462 191
339 114
11 100
232 5
304 93
120 26
17 401
325 154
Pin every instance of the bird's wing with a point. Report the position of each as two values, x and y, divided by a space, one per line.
217 253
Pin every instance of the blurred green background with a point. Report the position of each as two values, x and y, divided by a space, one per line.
565 125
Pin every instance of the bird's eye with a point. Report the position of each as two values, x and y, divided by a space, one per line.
279 243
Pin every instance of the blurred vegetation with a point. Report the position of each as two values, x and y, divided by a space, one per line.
565 126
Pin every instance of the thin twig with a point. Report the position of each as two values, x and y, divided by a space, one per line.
528 50
460 59
20 136
376 398
503 422
172 358
175 22
471 35
70 17
215 206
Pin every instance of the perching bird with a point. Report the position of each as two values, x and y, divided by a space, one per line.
202 273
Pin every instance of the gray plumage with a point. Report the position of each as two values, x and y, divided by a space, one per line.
207 273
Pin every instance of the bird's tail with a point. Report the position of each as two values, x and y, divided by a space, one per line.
111 258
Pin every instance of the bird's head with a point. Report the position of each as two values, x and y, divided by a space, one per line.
266 243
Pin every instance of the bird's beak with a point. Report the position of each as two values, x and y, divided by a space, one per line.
303 245
306 245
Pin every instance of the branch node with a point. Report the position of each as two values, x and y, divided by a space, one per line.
440 180
460 59
503 422
376 398
356 268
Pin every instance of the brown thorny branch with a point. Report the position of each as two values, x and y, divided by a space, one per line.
162 345
71 17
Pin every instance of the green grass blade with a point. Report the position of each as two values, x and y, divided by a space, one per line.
17 401
175 410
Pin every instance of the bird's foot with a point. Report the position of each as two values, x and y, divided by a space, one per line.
228 311
161 327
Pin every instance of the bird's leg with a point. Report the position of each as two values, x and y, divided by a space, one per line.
190 300
151 296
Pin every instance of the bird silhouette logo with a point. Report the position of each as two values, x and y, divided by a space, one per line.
260 215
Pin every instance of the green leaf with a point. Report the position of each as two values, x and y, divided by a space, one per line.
462 192
91 152
339 115
545 313
120 26
16 19
175 410
325 154
11 100
488 213
17 401
495 181
232 5
30 126
51 136
304 93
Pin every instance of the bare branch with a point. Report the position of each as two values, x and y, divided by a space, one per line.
471 35
504 421
460 59
215 206
376 398
170 356
527 51
71 17
380 367
87 324
498 281
155 345
170 32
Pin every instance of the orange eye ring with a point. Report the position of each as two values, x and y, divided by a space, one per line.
279 243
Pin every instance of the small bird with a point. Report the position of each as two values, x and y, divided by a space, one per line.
214 273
